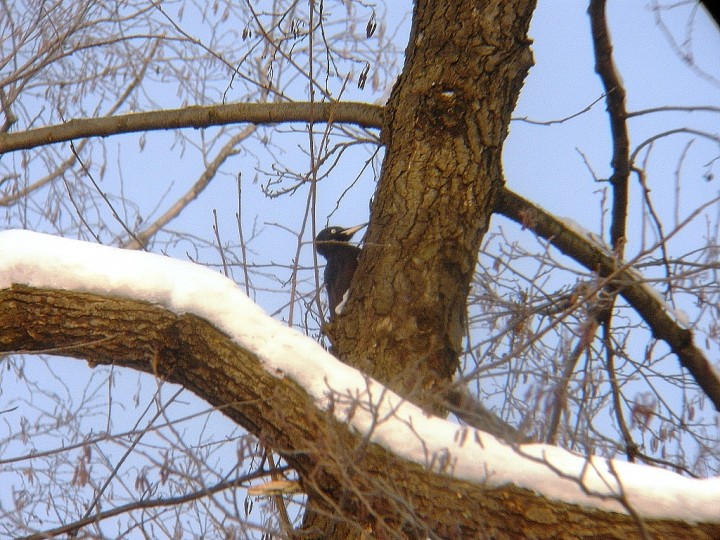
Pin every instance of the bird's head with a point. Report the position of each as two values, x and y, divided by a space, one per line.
328 240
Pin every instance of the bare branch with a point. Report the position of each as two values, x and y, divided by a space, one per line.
615 97
631 287
196 116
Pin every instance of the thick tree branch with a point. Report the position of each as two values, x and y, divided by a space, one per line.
630 284
195 116
357 479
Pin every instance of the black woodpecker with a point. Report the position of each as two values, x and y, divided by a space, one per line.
342 260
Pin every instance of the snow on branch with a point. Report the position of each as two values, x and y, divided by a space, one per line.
367 407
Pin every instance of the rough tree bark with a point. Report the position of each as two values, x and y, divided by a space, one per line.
444 129
443 132
375 492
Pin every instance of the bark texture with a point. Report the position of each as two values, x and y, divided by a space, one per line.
444 129
368 490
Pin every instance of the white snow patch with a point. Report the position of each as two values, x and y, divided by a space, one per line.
582 232
45 261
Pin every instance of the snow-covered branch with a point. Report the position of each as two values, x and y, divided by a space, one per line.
193 326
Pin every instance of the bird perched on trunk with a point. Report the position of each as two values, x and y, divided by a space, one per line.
334 245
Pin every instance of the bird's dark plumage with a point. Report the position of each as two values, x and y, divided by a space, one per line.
342 260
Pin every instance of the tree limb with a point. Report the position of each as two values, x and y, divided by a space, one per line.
195 116
358 480
631 286
615 98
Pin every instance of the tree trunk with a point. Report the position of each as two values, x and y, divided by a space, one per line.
444 129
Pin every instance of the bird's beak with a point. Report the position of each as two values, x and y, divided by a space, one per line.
352 230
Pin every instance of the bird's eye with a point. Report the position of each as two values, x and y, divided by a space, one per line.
334 231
